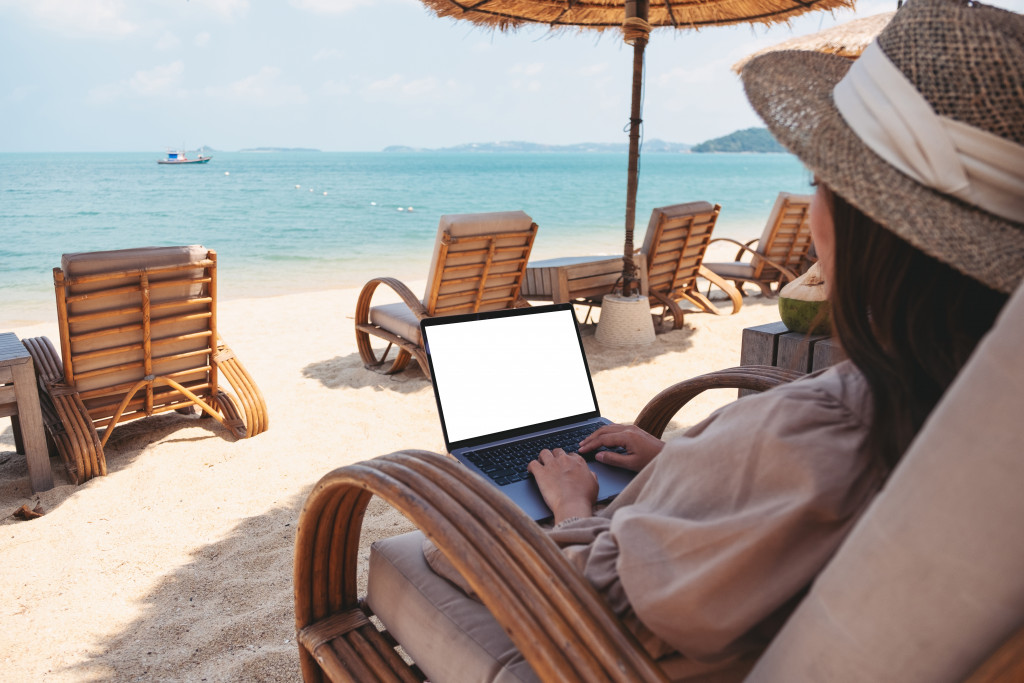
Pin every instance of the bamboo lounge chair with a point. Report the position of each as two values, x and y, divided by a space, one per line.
670 261
783 252
138 337
927 587
478 265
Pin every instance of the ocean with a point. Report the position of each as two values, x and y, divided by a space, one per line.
296 221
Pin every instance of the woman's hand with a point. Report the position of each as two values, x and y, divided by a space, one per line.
640 446
567 484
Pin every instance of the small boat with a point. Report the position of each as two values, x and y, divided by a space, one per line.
181 158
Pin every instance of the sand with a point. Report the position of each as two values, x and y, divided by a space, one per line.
177 566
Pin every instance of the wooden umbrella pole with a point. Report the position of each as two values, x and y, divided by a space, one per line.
628 267
635 31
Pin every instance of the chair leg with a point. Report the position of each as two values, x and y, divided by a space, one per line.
246 393
671 307
65 417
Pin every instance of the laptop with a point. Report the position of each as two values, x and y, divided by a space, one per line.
510 383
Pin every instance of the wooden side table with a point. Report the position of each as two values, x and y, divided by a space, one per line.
773 344
19 400
560 280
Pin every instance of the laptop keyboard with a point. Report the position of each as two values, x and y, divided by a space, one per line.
507 463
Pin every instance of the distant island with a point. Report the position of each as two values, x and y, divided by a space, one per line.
750 140
279 149
757 140
486 147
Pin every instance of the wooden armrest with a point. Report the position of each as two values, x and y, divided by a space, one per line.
553 615
748 247
660 410
787 273
366 295
735 295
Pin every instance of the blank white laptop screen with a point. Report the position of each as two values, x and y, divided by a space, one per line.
498 374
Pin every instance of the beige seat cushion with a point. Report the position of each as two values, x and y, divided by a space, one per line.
450 636
931 580
397 319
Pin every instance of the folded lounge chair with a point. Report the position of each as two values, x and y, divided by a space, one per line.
783 252
478 265
138 337
927 588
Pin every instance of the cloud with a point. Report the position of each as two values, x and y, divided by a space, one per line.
227 8
103 94
527 69
328 53
101 17
329 6
201 39
167 41
398 88
160 81
333 88
263 88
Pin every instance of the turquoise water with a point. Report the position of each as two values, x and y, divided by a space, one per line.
284 222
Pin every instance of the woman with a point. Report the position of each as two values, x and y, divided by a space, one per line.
918 218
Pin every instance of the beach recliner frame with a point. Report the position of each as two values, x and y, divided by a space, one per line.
138 337
669 263
783 252
478 265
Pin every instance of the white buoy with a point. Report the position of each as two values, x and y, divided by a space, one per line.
373 203
409 209
325 194
226 173
298 187
401 209
311 189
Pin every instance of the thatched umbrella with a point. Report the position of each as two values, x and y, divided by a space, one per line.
846 40
636 19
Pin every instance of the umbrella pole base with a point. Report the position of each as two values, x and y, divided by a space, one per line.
625 321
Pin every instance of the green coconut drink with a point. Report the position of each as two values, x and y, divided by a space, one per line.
803 303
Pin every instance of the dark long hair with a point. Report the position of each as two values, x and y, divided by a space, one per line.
907 321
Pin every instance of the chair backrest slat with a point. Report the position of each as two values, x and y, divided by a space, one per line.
120 305
480 262
786 238
677 237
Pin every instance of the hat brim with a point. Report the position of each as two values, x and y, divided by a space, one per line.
792 92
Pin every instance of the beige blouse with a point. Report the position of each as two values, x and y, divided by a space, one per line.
706 552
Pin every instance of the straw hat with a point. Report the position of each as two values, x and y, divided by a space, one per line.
924 133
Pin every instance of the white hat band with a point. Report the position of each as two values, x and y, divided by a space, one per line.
891 117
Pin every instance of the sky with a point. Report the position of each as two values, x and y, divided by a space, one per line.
351 75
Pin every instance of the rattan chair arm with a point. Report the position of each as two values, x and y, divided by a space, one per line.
660 410
748 247
366 296
553 615
735 295
786 272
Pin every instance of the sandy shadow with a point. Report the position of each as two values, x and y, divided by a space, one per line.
126 444
228 614
348 372
602 357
